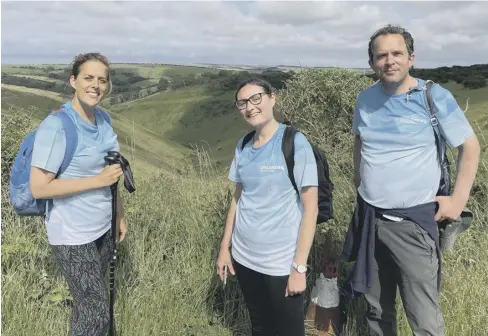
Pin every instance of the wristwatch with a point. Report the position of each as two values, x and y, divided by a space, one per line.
300 268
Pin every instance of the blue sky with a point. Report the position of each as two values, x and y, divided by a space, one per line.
322 33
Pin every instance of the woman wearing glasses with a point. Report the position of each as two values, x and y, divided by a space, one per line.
270 227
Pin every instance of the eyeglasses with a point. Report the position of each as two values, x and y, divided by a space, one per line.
255 99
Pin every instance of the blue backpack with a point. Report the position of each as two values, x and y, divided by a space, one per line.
21 197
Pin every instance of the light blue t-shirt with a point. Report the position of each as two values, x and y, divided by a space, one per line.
399 166
78 218
269 211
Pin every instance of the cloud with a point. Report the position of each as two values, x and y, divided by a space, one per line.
321 33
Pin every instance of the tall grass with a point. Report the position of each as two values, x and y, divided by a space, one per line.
166 281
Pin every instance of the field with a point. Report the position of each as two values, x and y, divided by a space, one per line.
179 144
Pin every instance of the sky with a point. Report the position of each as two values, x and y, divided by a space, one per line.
265 33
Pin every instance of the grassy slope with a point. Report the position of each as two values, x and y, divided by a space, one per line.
176 114
16 70
40 101
43 78
476 102
147 150
152 71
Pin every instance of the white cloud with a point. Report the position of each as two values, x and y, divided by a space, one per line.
267 32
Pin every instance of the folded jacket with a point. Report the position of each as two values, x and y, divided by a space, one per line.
359 245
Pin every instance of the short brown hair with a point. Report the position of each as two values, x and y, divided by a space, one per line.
79 60
391 29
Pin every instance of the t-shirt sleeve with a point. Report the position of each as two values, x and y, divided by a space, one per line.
355 118
454 126
49 145
305 169
233 172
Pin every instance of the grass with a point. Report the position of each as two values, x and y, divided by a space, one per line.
43 78
165 273
461 93
31 94
18 70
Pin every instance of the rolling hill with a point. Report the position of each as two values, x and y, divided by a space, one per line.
190 116
147 150
175 120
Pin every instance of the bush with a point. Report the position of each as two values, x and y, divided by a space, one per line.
16 123
321 104
163 84
474 82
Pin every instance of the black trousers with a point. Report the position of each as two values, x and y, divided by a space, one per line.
271 313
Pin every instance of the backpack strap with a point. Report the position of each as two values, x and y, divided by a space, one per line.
288 148
433 120
247 138
71 135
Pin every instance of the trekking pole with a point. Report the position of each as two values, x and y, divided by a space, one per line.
113 188
116 158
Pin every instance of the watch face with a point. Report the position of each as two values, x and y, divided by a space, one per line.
301 268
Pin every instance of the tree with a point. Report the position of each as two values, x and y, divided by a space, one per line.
474 82
163 84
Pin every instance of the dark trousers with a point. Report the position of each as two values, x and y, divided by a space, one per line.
406 257
271 313
84 268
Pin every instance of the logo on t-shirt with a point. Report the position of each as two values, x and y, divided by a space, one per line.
412 120
270 169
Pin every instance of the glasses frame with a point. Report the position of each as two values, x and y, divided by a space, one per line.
245 101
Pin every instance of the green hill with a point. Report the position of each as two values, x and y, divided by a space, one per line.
147 150
190 116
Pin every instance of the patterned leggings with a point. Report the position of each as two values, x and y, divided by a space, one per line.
84 268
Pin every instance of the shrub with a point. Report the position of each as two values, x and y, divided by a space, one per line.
474 82
16 123
321 103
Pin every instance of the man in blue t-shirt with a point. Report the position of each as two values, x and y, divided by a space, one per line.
396 169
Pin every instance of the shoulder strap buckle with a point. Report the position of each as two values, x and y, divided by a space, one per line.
434 121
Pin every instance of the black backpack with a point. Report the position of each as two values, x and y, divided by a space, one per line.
325 187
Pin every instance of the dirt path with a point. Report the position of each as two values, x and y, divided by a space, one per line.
40 92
